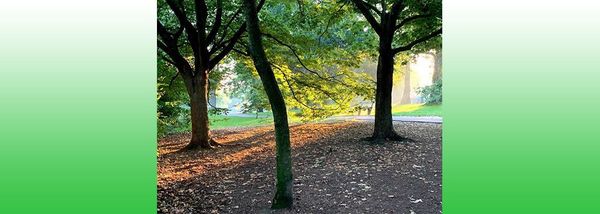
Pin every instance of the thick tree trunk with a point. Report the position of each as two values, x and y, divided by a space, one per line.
384 129
197 90
283 194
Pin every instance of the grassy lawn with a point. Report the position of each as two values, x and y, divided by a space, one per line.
417 110
226 121
223 121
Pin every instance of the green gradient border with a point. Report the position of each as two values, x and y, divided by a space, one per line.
521 107
77 92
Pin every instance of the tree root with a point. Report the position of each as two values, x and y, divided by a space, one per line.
381 138
214 143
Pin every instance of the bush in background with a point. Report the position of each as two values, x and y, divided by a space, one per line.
432 94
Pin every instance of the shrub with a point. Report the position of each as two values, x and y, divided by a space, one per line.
432 94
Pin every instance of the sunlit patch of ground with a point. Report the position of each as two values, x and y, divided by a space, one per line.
240 144
406 108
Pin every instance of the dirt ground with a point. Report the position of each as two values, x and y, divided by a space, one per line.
334 171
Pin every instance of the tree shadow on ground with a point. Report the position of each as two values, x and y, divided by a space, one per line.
333 172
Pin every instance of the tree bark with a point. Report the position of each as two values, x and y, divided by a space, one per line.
406 90
283 194
197 90
437 66
384 129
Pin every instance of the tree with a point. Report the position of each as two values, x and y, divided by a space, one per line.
404 24
283 194
194 40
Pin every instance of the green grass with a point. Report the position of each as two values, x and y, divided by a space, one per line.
223 121
417 110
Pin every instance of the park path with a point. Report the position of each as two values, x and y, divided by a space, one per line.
420 119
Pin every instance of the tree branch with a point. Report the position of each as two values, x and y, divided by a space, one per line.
362 8
241 52
330 19
412 18
397 7
302 63
165 58
230 43
370 6
214 61
201 15
420 40
169 46
191 32
285 77
218 18
173 79
226 27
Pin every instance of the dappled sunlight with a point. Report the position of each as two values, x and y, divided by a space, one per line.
333 169
241 146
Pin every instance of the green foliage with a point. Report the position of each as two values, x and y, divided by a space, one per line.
432 94
314 48
247 86
172 113
420 27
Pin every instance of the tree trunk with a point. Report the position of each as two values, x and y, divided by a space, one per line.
437 66
406 90
197 90
213 96
384 129
283 194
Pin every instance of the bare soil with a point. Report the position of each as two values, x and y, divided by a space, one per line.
334 171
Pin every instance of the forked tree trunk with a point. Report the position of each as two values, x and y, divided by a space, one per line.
197 90
283 193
